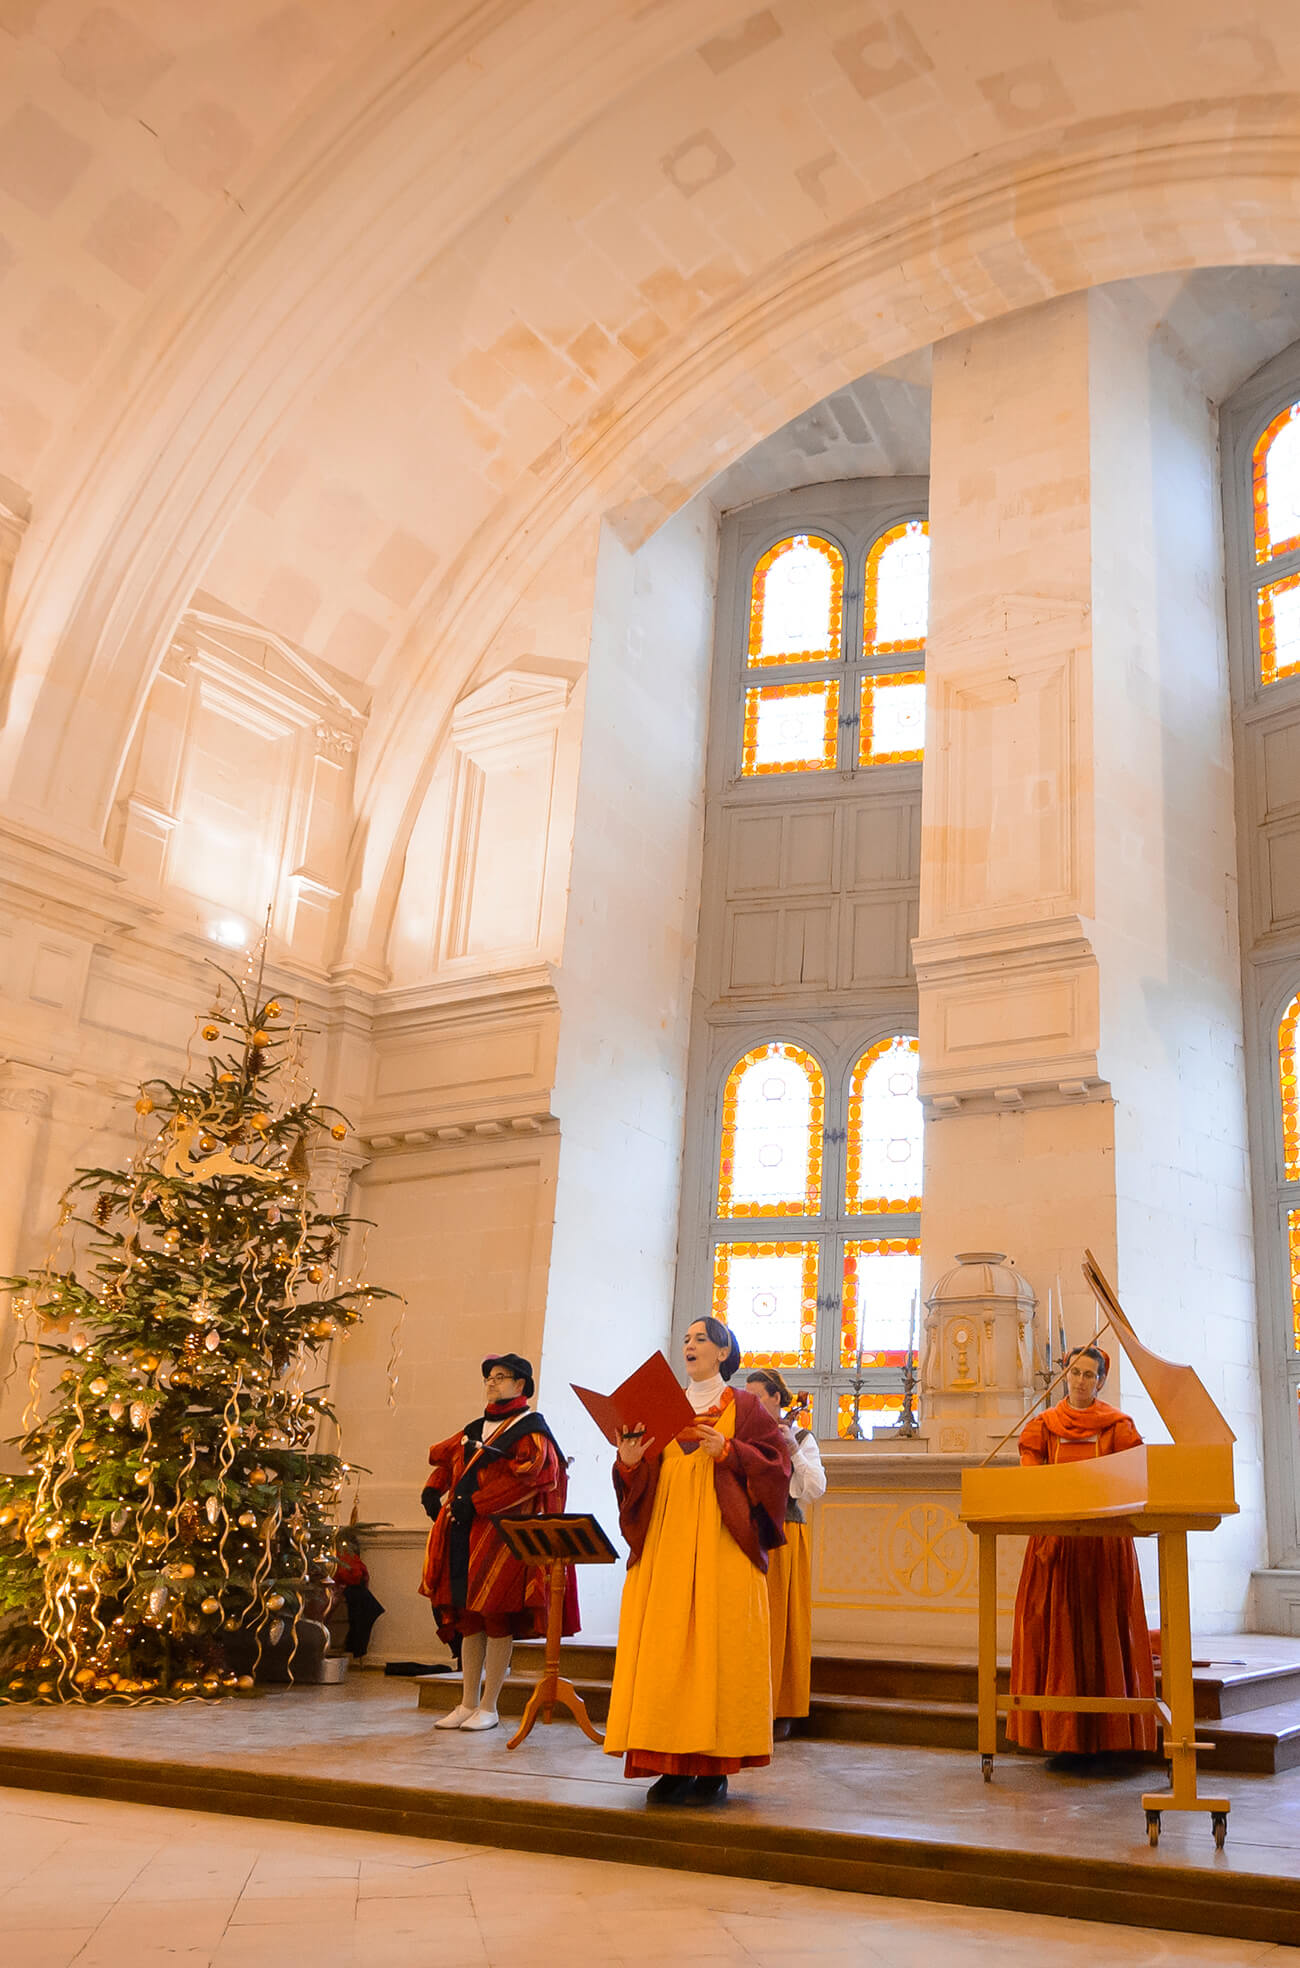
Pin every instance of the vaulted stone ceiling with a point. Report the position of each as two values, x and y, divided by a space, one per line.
359 320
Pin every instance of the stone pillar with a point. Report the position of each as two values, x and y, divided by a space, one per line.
24 1106
1080 1016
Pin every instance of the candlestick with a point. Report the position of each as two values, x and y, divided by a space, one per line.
1047 1348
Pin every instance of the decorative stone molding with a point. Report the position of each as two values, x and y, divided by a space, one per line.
1009 1016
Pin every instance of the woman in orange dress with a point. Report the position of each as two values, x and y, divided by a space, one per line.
1081 1626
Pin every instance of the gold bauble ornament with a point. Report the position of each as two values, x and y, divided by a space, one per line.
339 1131
98 1387
141 1479
211 1685
45 1688
244 1683
259 1121
150 1363
246 1520
227 1079
315 1274
85 1677
276 1602
211 1032
261 1039
171 1238
210 1606
144 1105
323 1329
273 1009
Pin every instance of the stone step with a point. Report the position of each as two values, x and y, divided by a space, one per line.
1256 1741
1223 1688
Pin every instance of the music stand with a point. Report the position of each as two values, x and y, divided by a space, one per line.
555 1542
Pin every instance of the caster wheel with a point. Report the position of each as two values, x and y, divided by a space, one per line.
986 1765
1219 1826
1153 1827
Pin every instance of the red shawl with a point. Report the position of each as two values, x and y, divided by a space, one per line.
752 1482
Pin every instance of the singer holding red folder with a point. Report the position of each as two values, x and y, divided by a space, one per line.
692 1696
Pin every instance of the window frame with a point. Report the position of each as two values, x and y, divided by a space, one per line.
1270 956
835 1226
834 1022
906 499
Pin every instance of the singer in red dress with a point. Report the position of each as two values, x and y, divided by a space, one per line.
505 1463
1081 1627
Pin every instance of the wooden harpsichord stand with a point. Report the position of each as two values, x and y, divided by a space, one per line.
555 1543
1160 1491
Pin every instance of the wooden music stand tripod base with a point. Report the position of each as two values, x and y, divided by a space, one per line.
553 1691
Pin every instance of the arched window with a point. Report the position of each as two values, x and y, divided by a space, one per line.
1275 490
801 1182
773 1123
896 596
895 621
883 1149
796 602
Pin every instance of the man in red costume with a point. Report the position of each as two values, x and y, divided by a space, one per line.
505 1463
1081 1627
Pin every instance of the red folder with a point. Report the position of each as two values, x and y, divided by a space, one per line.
651 1397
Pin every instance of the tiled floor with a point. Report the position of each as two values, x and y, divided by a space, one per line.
129 1886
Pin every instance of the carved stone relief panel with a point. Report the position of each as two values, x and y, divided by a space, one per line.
504 740
1005 829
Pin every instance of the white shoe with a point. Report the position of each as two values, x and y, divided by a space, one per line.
481 1718
457 1718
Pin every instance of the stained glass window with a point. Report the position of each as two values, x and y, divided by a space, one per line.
872 1411
896 598
893 718
883 1151
1276 485
796 602
767 1294
790 727
1279 628
773 1115
1287 1070
1293 1254
881 1277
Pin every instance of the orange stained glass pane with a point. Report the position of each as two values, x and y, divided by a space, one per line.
1293 1256
881 1277
883 1149
767 1294
1278 605
772 1136
796 602
896 595
790 727
1275 485
1286 1067
886 1410
893 718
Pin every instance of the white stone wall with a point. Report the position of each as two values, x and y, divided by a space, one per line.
624 990
1171 1042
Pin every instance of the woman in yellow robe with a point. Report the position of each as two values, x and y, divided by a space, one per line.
789 1574
691 1701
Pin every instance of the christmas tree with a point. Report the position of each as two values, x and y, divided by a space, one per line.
175 1524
